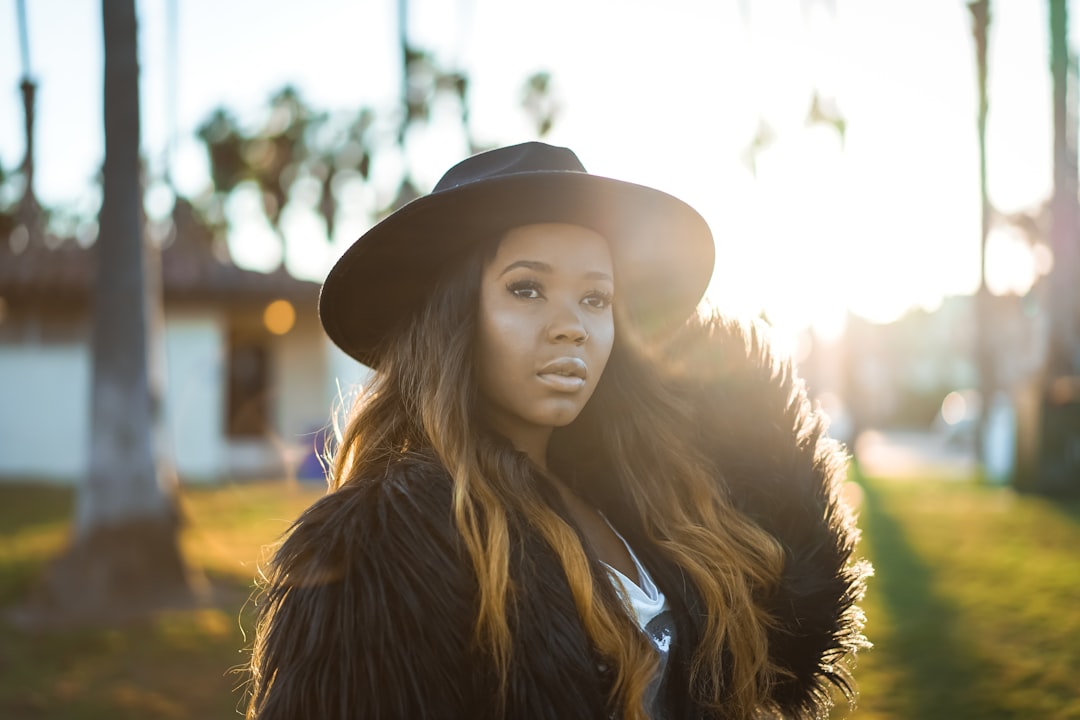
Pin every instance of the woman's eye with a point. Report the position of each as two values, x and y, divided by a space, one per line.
527 289
599 300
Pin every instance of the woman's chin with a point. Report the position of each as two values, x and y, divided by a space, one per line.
562 412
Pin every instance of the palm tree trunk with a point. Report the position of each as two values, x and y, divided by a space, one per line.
984 352
1058 470
124 558
1063 230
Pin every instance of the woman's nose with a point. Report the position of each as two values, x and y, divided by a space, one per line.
568 326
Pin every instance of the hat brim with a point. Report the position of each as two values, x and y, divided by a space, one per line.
662 250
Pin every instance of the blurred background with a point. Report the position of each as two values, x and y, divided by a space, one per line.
892 187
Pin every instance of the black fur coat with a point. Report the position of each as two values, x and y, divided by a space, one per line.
375 608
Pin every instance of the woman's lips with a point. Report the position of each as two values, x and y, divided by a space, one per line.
565 374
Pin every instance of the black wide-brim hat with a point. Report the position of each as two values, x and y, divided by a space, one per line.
661 248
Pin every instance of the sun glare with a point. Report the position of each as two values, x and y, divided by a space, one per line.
1012 266
798 261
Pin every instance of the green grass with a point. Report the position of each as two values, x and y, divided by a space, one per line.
177 665
974 610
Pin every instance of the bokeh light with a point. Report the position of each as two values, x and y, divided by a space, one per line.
954 408
279 317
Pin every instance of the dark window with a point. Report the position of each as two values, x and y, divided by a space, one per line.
249 379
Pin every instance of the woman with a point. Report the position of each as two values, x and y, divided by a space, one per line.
562 496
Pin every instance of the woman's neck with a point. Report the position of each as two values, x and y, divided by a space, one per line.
533 441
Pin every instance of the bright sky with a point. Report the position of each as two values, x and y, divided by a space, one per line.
666 94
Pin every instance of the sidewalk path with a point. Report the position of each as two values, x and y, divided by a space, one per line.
910 454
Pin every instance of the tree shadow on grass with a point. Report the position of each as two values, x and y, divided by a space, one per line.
25 505
1066 506
941 667
179 663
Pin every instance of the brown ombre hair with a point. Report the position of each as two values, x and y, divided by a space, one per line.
424 398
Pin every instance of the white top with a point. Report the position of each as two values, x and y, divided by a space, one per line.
646 600
653 617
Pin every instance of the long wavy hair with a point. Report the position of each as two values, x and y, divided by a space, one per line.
424 398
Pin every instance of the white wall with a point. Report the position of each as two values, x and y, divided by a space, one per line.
299 372
44 411
45 404
195 393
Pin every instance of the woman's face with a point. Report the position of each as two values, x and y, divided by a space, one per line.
545 328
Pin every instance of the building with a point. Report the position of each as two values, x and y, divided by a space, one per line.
249 375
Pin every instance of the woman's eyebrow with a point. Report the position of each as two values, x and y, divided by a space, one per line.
545 268
530 264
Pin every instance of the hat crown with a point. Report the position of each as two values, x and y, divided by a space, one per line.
527 157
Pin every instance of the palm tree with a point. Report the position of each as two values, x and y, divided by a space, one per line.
1063 224
124 558
1058 467
984 354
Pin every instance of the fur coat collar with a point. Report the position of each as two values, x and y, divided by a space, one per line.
374 606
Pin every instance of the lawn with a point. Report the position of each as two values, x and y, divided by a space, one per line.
177 666
974 610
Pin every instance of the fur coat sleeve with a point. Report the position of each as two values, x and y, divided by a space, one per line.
371 606
752 419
